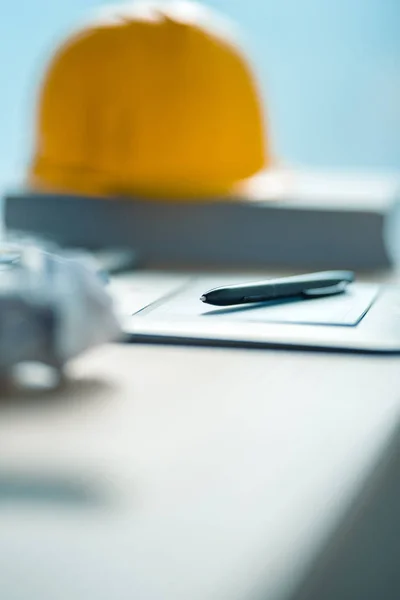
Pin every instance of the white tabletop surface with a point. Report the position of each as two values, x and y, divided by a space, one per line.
167 473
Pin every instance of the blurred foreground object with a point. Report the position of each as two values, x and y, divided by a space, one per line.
52 307
149 99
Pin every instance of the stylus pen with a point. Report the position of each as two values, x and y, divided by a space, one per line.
311 285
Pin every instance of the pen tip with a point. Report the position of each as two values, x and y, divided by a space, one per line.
203 298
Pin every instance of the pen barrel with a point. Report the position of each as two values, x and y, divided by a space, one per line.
262 291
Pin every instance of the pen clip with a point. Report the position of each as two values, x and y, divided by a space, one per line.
338 288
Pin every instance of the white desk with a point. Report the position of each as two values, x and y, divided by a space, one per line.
204 474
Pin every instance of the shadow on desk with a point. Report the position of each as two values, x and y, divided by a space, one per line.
48 485
68 391
42 489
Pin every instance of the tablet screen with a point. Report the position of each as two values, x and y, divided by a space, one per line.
345 309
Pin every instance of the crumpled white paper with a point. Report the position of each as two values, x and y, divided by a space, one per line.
53 305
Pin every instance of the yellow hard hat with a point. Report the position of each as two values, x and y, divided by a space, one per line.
150 99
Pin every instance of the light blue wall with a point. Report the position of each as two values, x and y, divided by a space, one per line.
331 69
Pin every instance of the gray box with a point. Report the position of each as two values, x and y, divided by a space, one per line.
339 222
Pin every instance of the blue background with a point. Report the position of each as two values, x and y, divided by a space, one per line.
330 72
